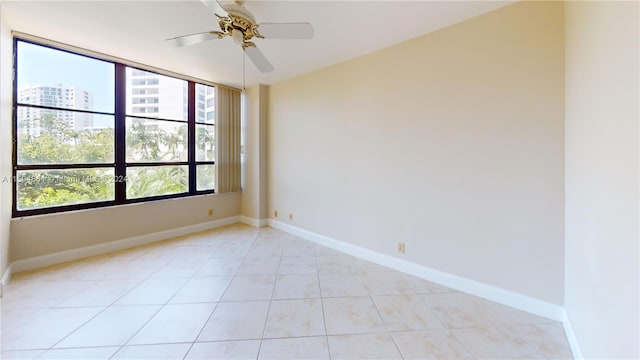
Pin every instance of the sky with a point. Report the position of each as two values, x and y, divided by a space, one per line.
38 65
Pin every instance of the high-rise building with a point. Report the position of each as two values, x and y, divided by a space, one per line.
205 103
54 95
157 96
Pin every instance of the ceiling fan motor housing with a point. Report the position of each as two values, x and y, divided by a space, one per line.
239 19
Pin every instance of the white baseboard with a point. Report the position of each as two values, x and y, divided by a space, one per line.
74 254
253 221
489 292
6 277
571 336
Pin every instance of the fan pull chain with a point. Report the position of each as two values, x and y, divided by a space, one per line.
244 70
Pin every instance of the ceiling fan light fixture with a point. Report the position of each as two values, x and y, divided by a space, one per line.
237 36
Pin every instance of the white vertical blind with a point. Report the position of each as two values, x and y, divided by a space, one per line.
228 139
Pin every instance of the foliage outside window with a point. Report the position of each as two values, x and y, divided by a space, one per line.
90 133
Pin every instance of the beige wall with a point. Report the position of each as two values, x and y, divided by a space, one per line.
602 273
451 142
264 152
40 235
6 63
254 129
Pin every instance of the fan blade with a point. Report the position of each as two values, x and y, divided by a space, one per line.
286 30
258 59
215 6
187 40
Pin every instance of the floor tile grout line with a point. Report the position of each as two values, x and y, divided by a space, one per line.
504 333
140 328
115 346
79 262
446 326
41 311
100 312
220 300
204 324
59 301
73 331
246 339
434 313
393 340
264 329
151 317
324 316
463 344
251 300
163 306
371 296
185 283
235 274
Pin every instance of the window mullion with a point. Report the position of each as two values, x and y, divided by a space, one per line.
120 133
191 118
14 129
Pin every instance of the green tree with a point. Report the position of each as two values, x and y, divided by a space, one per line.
144 140
173 141
159 180
96 146
58 143
204 142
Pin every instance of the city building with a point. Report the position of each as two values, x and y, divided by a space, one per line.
54 95
154 95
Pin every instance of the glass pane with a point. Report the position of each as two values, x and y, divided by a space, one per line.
157 96
47 188
156 140
205 177
205 143
205 104
156 181
64 137
57 78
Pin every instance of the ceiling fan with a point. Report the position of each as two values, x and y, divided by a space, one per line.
238 23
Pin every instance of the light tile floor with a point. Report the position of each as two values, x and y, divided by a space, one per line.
241 292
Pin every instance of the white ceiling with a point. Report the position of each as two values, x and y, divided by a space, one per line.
135 30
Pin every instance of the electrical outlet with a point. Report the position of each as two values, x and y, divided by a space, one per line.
290 216
210 212
401 248
275 213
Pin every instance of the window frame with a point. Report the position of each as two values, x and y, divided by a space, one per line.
120 163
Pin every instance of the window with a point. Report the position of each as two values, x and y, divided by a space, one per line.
77 146
205 146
